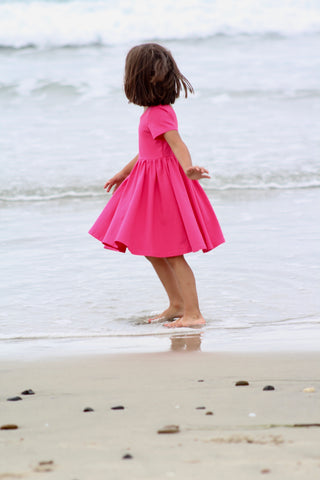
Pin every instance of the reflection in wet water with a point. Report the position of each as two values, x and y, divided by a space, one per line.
186 343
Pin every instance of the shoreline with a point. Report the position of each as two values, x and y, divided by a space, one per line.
215 341
250 431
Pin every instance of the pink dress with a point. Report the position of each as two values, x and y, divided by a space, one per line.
157 210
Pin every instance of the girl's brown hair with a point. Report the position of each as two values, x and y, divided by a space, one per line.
152 76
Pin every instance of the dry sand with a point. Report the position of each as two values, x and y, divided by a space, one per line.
250 434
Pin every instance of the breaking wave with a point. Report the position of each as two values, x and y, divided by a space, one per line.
218 185
54 24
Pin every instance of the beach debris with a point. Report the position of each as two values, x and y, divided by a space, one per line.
268 387
9 426
127 456
209 413
28 392
14 399
265 470
242 383
200 380
88 409
169 429
45 466
201 408
257 440
297 425
290 425
309 390
252 415
118 407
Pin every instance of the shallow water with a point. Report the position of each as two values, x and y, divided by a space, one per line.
258 291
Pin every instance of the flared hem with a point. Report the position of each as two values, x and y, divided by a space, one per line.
121 247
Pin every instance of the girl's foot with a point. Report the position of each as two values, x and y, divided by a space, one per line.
169 314
186 322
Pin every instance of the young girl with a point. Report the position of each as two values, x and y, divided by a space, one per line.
158 208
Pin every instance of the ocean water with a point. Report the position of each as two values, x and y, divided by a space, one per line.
66 127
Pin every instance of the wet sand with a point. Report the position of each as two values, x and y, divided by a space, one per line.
250 433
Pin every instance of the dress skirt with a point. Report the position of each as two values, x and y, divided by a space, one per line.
158 211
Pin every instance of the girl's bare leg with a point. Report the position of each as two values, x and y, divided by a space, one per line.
186 281
168 279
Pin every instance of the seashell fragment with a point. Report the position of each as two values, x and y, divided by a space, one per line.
169 429
309 390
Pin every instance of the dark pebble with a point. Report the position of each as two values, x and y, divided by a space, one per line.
14 399
200 380
88 409
200 408
28 392
268 387
242 383
117 407
127 456
209 413
9 426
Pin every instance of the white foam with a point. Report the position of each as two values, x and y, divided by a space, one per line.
56 24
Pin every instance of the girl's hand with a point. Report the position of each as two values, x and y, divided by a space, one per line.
118 178
115 181
197 173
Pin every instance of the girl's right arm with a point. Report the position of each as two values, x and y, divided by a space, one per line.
182 154
118 178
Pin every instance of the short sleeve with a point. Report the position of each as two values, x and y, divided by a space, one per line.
162 119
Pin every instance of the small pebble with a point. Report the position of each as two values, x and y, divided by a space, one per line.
9 426
14 399
200 380
28 392
117 407
45 466
169 429
268 387
242 383
127 456
265 470
88 409
209 413
200 408
309 390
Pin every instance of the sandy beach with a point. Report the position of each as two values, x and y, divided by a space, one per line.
249 433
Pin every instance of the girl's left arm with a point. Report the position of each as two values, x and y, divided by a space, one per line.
183 156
